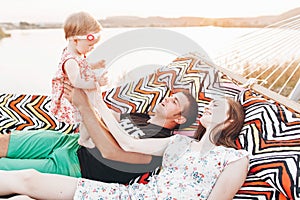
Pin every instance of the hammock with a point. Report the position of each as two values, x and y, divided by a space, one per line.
271 56
270 133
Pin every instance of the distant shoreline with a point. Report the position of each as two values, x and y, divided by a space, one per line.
128 22
3 34
132 21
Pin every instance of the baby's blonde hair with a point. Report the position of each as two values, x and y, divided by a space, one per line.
81 23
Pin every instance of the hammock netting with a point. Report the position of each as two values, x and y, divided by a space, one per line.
271 55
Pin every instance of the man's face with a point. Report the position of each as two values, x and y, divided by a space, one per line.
171 107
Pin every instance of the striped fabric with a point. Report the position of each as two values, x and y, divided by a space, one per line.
270 133
29 112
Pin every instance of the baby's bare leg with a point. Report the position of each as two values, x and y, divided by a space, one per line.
84 139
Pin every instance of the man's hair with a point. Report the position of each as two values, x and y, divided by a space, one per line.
81 23
190 112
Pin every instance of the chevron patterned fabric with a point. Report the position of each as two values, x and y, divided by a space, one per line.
271 132
29 112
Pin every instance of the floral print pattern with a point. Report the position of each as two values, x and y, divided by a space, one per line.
63 110
185 174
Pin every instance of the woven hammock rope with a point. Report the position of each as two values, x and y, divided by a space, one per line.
271 55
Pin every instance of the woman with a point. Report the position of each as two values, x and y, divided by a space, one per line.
191 169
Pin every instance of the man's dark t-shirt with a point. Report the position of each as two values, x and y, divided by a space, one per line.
136 124
94 166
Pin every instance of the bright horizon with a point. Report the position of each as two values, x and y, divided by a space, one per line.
58 10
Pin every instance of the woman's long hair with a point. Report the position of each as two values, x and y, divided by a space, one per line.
225 134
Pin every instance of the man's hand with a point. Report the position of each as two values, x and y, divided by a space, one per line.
75 96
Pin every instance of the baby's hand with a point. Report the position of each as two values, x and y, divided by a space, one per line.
98 65
102 79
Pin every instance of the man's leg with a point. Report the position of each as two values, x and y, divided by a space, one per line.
45 151
4 140
31 141
36 144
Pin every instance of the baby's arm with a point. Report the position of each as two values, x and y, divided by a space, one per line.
98 65
102 79
73 72
98 68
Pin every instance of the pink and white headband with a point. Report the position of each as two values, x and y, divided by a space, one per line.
89 37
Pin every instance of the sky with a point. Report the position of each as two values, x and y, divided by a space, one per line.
58 10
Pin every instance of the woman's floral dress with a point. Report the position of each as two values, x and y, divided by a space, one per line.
185 175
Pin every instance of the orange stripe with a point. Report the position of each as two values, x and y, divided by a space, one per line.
285 179
13 106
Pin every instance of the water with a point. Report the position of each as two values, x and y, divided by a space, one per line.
29 58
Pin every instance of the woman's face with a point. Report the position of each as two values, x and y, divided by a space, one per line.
215 113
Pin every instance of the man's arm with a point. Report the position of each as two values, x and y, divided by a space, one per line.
151 146
103 140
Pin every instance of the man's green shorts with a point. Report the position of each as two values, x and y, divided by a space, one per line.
43 150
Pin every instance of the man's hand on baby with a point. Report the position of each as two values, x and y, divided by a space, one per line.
75 96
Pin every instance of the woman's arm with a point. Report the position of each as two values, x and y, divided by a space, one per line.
105 142
230 180
73 72
147 146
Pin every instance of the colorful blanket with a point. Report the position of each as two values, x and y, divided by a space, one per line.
271 132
